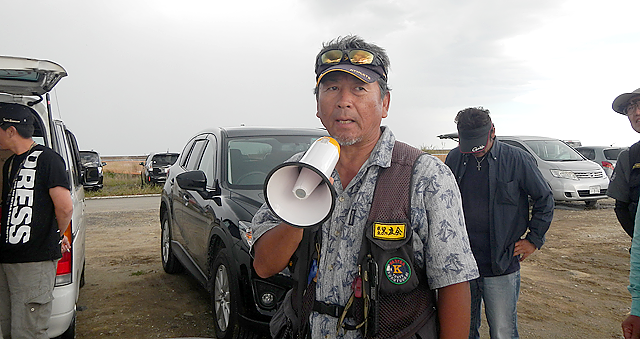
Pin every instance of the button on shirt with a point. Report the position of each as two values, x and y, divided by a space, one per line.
440 241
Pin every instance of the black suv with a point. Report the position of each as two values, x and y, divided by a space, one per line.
154 168
92 168
207 203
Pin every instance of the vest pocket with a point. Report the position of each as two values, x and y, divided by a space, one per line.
392 249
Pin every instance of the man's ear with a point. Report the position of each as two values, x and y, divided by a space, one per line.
386 101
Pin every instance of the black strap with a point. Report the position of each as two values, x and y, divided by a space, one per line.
329 309
304 293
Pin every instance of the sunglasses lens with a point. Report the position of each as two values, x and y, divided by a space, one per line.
360 57
331 57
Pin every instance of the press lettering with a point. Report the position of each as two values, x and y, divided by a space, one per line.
22 235
19 225
27 178
24 197
32 159
21 215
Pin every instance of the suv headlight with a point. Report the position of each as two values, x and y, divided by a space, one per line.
564 174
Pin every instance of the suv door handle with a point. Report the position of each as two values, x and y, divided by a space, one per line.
186 200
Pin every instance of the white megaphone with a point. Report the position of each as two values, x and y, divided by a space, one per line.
300 193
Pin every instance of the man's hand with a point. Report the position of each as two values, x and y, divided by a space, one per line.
65 246
631 327
525 248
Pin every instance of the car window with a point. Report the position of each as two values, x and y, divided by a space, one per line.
553 150
75 155
250 159
612 153
195 154
184 156
164 159
589 153
516 144
89 158
64 149
207 164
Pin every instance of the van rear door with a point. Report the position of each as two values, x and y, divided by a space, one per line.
24 76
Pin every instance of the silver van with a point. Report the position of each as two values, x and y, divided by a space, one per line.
28 82
571 176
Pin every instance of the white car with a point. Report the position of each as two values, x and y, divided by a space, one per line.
571 176
28 82
605 156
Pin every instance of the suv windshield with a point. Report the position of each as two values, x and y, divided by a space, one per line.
250 159
164 159
89 158
554 150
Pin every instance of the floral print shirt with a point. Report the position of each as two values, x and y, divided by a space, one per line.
440 240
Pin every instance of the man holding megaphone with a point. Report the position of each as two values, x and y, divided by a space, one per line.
394 235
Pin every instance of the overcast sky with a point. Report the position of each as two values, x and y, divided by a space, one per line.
144 76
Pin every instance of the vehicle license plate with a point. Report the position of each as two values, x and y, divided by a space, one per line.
594 189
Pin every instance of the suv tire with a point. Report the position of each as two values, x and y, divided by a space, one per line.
170 263
223 297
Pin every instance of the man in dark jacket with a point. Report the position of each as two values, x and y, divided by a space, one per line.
625 182
496 182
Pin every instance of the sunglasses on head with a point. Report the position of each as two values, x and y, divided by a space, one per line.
354 56
358 57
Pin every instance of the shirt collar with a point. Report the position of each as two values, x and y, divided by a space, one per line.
381 154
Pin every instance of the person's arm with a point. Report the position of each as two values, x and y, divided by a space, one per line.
543 204
631 325
63 207
624 216
454 310
273 250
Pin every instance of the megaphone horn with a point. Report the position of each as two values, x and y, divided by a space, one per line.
300 193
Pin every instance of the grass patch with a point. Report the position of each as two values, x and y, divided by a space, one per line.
119 184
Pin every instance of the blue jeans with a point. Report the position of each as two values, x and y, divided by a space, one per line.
500 296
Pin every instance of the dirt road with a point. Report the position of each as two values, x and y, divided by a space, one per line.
575 287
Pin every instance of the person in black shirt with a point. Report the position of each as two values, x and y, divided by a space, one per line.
496 182
36 210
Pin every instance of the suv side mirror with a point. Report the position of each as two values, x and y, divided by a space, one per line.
192 180
197 181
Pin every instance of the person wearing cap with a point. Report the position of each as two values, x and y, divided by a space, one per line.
352 98
625 181
497 181
624 188
36 210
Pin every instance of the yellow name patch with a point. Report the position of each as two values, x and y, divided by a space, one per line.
389 231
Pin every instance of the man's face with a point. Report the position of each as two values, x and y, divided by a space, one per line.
351 110
634 114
